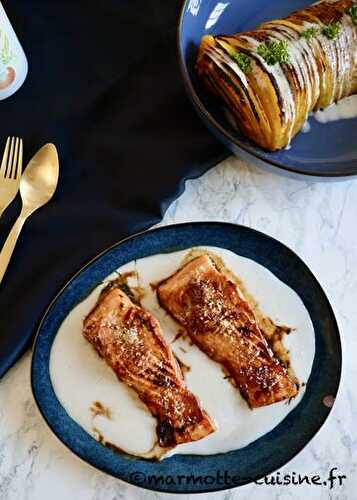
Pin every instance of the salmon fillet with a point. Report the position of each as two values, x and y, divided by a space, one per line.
222 324
130 340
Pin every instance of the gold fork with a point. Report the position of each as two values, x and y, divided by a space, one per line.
10 172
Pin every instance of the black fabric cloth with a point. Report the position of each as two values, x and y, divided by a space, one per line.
105 87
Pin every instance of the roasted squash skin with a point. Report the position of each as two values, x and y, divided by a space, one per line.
270 103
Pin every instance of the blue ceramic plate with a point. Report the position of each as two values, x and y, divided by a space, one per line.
327 150
215 472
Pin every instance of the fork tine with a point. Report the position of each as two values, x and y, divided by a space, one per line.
9 163
14 171
18 171
4 158
14 159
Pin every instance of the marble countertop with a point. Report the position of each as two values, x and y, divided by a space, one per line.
318 221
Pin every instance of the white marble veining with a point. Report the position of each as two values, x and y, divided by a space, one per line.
318 221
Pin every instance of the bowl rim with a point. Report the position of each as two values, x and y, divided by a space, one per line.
107 250
204 113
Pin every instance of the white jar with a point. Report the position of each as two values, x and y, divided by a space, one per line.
13 62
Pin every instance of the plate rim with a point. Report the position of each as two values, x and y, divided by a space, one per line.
217 487
204 114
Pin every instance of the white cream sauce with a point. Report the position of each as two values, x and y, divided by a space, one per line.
306 127
81 378
342 110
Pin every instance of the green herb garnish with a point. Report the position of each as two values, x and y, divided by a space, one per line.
5 54
121 283
331 30
124 287
352 11
309 33
243 61
274 52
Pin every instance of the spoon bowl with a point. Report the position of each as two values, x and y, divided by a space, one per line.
40 178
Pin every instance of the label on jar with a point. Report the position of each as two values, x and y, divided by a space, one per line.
13 62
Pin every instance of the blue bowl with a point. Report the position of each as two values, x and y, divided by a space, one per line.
327 150
194 473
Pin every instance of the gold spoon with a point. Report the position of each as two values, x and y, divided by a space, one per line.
37 186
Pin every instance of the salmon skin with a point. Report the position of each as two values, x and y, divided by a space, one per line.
222 324
130 340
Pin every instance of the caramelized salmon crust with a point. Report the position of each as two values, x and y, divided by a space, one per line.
222 324
131 342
